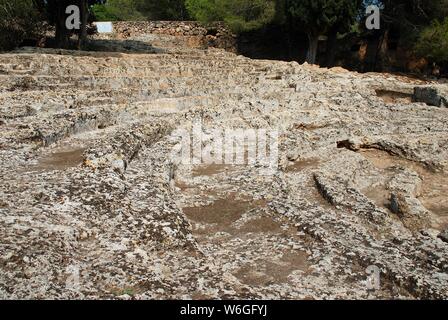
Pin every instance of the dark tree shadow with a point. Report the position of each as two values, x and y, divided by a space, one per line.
122 46
101 47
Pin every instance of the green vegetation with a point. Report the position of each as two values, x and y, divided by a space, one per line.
56 16
433 42
164 10
409 24
319 17
418 26
409 17
19 20
118 10
140 10
240 15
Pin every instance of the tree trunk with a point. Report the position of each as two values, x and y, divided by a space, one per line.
331 49
82 37
62 36
381 53
376 49
312 49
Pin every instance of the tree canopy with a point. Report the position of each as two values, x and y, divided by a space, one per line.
318 17
135 10
19 19
118 10
240 15
433 42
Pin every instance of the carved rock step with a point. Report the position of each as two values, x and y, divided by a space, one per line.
432 95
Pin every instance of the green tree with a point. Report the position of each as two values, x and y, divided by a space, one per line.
319 17
407 18
56 15
240 15
402 20
134 10
433 42
19 19
164 9
118 10
413 14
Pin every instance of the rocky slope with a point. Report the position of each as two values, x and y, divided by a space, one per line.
93 204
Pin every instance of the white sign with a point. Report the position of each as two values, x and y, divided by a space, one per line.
104 27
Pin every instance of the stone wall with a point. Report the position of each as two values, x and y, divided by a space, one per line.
215 35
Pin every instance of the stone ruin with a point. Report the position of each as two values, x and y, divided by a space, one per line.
93 204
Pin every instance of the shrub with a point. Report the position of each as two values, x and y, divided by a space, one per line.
239 15
132 10
118 10
19 20
433 42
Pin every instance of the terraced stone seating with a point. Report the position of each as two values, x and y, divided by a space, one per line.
90 189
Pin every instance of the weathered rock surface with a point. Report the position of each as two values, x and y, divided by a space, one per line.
432 95
444 235
92 204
